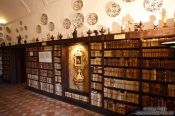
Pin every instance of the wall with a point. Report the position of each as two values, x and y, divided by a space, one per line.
60 9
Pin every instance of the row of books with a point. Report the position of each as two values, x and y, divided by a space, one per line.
46 87
122 96
97 77
158 64
46 66
171 90
96 54
96 61
46 73
118 107
159 75
121 53
159 52
155 42
97 86
57 53
33 83
121 72
32 65
158 102
57 60
57 72
96 69
96 46
76 96
131 62
58 89
155 88
122 44
121 84
46 79
33 77
58 78
32 59
57 65
96 98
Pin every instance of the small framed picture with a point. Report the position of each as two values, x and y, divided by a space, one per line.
78 60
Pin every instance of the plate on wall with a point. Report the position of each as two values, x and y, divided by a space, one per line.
78 20
44 19
51 26
77 5
38 29
66 23
113 9
92 18
152 5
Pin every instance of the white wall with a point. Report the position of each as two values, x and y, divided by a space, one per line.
61 9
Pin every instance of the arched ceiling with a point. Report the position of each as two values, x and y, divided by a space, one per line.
12 10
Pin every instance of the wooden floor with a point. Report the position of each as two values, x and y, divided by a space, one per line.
15 100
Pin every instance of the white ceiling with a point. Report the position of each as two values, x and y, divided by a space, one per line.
14 9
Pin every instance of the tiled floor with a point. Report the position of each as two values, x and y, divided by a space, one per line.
17 101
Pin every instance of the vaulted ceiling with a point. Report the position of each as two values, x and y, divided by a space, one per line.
15 9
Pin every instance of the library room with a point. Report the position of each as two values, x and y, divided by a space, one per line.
87 57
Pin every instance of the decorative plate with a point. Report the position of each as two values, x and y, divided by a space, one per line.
38 29
66 23
78 20
51 26
44 19
113 9
153 5
77 5
92 18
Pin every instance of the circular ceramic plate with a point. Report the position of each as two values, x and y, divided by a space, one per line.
77 5
92 18
38 29
51 26
113 9
153 5
44 19
78 20
66 23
